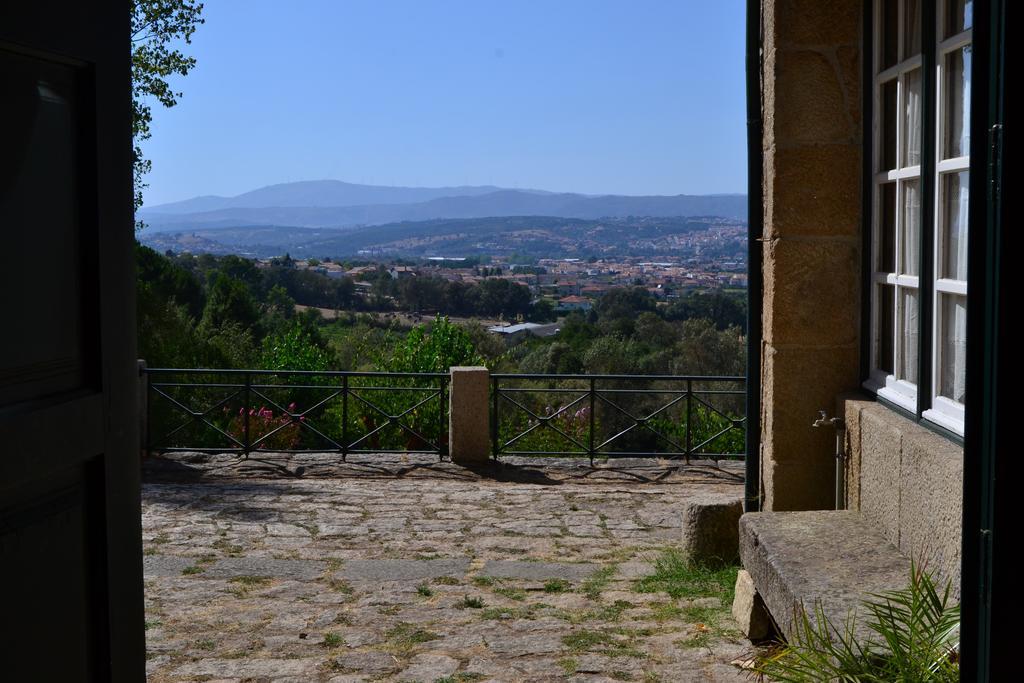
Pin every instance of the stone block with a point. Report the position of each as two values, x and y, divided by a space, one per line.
849 407
537 571
469 431
837 559
798 463
881 443
815 110
384 571
295 570
749 611
812 292
816 192
850 69
710 528
812 22
799 486
931 502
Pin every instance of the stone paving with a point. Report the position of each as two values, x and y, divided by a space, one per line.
405 569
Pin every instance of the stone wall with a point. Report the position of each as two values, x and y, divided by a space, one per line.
907 480
812 238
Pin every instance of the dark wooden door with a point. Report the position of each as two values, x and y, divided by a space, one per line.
70 548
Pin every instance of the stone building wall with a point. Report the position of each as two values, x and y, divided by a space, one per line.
904 478
812 240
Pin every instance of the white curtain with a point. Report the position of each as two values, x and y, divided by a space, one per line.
910 256
912 119
965 135
954 353
959 271
908 350
955 359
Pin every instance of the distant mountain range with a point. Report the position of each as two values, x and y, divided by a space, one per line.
534 236
336 204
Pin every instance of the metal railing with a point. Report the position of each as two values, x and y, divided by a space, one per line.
246 411
617 416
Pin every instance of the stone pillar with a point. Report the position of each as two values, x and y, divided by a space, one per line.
143 407
469 417
812 237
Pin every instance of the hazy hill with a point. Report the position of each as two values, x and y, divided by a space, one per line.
317 193
539 236
310 206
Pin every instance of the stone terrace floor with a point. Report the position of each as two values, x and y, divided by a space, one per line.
402 568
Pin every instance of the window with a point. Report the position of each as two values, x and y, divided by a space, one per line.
919 160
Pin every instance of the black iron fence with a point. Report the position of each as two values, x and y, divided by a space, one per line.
592 416
615 416
246 411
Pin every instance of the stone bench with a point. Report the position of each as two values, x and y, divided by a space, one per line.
837 558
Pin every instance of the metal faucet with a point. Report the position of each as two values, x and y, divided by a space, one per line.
840 426
825 421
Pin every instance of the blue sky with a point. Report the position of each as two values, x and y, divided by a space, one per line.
598 96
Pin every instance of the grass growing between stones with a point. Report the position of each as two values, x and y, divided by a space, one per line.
403 637
340 586
510 613
332 640
601 642
461 677
470 602
246 584
675 575
446 581
598 581
423 590
612 612
192 569
556 586
569 665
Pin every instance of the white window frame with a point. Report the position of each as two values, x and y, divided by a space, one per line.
943 411
937 409
890 386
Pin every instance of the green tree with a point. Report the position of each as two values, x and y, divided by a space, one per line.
157 25
295 349
446 344
705 350
542 311
624 304
230 301
724 309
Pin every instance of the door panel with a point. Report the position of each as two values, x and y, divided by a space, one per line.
41 187
70 530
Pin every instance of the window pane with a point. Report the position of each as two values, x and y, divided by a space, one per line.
957 104
952 347
911 28
887 153
958 17
887 229
884 322
954 202
911 152
907 357
910 229
890 36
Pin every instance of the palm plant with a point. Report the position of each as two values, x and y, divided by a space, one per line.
913 637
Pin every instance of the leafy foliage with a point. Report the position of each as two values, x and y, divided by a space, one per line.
913 638
157 25
294 349
436 350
